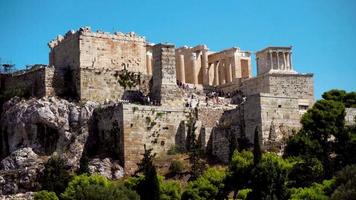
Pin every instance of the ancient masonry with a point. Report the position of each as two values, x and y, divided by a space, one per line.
85 66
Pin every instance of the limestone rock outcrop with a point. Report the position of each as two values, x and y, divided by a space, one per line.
19 171
106 167
33 130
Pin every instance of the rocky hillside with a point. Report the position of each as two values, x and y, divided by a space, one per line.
33 130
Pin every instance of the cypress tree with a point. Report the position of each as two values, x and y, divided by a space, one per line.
148 189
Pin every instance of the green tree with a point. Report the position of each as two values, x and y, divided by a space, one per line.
345 184
45 195
325 120
301 144
55 175
269 178
350 100
334 95
239 174
305 172
206 186
148 188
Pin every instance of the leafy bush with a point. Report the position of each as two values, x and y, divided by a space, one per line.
97 187
45 195
170 190
206 186
306 172
55 175
242 194
176 167
345 183
315 192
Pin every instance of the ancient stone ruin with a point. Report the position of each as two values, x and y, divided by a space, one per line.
86 109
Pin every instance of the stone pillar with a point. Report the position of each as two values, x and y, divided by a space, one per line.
277 60
221 73
288 65
164 88
290 61
181 68
205 67
271 59
228 70
216 73
233 66
149 63
284 61
194 68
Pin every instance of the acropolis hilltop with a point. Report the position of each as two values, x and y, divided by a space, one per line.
172 82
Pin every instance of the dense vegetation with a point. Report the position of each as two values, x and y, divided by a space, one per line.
319 163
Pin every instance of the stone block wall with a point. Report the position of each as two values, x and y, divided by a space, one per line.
128 127
35 82
350 118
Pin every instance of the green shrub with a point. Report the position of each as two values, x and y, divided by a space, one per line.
242 194
97 187
176 167
316 192
170 190
45 195
55 175
205 187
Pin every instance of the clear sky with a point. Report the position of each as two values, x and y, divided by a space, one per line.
322 32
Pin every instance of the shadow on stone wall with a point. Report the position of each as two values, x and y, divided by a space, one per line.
65 83
102 143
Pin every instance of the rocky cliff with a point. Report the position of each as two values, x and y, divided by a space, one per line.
33 130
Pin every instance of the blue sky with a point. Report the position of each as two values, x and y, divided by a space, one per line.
322 32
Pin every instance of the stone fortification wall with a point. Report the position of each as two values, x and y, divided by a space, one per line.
293 85
129 127
35 82
112 51
64 56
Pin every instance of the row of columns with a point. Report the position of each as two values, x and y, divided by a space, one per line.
286 60
224 70
194 67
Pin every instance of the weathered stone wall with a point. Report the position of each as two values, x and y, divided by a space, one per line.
34 82
64 56
103 51
293 85
122 130
255 85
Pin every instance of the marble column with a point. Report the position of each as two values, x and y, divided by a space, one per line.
216 73
228 70
181 68
233 66
290 61
284 61
277 60
205 67
149 63
271 59
222 72
194 68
